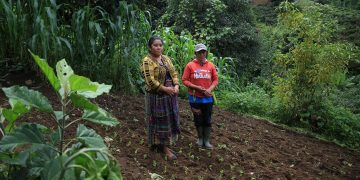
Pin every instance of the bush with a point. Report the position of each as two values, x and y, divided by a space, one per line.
342 126
251 100
305 70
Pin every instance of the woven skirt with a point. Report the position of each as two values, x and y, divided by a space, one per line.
162 116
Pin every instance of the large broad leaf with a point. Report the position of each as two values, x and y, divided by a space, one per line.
26 134
15 159
41 155
94 170
48 71
64 71
100 117
89 137
35 157
81 102
81 83
11 115
53 169
28 97
84 86
102 88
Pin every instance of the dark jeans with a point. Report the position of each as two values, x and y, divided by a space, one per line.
202 114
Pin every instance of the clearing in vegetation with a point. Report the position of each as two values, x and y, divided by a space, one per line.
244 147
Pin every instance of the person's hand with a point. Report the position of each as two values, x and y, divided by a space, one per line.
200 89
176 89
207 92
169 90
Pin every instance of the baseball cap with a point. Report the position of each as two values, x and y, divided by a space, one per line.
200 47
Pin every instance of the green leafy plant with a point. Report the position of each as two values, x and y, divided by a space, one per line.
40 152
306 65
218 24
104 45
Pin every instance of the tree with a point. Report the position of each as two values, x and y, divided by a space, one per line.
227 26
307 68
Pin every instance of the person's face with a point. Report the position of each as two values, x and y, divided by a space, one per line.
201 55
156 47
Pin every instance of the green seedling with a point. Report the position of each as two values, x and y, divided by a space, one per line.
128 144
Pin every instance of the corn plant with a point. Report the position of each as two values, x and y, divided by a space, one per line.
13 23
132 31
47 36
179 47
106 47
44 153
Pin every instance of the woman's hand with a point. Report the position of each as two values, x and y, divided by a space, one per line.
207 92
169 90
200 89
176 89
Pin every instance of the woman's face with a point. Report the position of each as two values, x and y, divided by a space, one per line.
156 47
201 55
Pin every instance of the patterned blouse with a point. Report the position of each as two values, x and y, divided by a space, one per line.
155 74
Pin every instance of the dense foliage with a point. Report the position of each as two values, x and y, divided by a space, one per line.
298 65
306 77
219 24
88 36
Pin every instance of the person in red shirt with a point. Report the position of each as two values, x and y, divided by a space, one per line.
201 78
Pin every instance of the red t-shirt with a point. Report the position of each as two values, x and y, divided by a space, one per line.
196 74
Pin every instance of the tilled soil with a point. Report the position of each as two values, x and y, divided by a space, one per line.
245 148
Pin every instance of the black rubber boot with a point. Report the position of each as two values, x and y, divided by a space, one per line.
207 131
200 131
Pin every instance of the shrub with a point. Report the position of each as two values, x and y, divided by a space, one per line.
251 100
40 152
305 69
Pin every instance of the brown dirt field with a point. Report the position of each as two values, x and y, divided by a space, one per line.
245 148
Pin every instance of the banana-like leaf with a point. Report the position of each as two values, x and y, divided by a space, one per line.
100 117
47 70
89 137
81 102
25 134
28 97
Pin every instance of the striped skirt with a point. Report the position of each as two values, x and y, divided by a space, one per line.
162 116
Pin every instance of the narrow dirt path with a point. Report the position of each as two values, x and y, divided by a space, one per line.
244 147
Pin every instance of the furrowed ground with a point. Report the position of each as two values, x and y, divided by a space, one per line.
244 147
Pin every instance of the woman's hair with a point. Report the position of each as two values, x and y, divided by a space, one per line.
152 39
